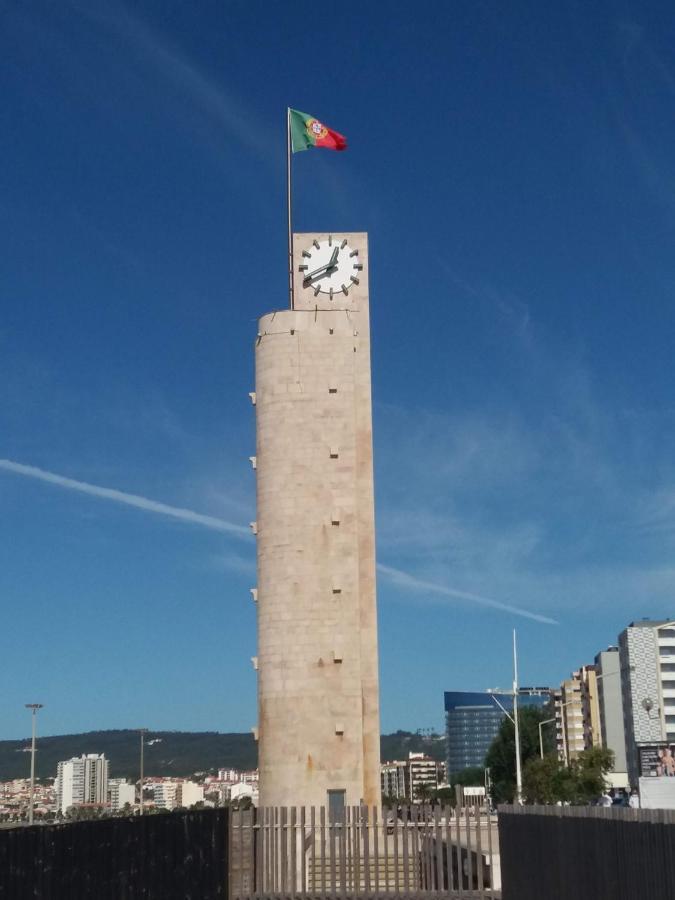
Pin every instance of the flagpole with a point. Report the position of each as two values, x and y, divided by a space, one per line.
288 207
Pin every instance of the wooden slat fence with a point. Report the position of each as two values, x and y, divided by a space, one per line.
415 851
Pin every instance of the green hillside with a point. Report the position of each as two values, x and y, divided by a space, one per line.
177 753
400 743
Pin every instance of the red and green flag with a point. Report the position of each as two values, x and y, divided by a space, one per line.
307 131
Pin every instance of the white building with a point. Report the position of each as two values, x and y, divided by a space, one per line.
190 793
394 779
164 793
171 793
647 660
230 775
121 793
422 774
242 789
81 780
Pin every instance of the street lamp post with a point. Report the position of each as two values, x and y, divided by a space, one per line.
516 725
514 718
34 708
143 732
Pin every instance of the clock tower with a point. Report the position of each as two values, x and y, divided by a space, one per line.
317 666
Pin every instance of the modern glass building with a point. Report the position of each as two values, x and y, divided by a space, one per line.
472 721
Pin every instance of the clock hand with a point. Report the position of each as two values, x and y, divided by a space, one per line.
333 259
321 272
316 271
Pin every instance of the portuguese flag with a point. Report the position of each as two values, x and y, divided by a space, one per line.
306 131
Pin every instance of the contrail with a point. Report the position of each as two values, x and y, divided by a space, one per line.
417 584
94 490
396 576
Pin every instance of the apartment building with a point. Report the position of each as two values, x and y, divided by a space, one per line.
172 793
647 664
394 779
120 793
577 714
82 780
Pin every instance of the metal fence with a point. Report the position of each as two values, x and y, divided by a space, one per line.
173 856
415 851
587 853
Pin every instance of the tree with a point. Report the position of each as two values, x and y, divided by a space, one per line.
501 757
548 780
473 776
445 796
589 771
423 792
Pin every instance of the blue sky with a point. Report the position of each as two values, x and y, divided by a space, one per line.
514 166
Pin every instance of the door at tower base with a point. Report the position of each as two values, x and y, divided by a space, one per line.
318 704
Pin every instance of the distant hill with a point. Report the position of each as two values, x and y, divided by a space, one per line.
178 753
400 743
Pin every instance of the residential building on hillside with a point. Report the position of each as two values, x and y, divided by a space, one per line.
607 664
234 776
82 780
472 721
647 665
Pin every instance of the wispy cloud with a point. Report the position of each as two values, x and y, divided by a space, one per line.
410 582
94 490
207 94
396 576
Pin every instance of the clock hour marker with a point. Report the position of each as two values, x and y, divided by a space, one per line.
307 254
302 268
316 244
330 240
354 253
330 292
345 290
317 289
343 244
358 266
354 279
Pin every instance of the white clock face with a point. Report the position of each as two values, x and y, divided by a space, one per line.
330 267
